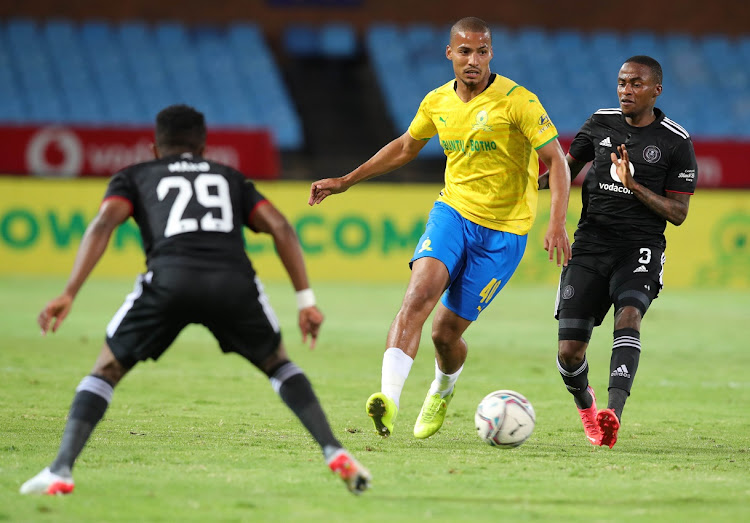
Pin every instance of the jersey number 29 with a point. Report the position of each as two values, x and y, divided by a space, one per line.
218 198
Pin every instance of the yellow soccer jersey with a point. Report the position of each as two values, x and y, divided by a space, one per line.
490 143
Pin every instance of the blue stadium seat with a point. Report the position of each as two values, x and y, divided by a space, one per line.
381 35
716 46
96 32
566 41
573 73
691 68
434 74
532 39
535 45
245 35
172 36
606 42
45 107
21 31
501 37
643 43
679 43
506 63
421 38
70 70
12 106
134 33
35 77
301 41
63 71
115 74
12 110
338 40
743 48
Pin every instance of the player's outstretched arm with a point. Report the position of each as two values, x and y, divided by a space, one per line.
556 240
673 206
396 154
95 240
268 219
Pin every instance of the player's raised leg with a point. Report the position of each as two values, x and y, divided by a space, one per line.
383 411
429 279
382 407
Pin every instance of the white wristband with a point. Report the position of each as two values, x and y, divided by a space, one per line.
305 299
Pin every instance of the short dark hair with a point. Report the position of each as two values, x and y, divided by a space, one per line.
180 126
471 24
650 63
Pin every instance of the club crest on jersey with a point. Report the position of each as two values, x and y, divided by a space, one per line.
652 154
481 121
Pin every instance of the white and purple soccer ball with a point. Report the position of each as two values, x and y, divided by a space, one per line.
504 418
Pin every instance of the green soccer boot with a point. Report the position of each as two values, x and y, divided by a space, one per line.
432 415
383 411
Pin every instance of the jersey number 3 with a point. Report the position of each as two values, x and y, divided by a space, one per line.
211 191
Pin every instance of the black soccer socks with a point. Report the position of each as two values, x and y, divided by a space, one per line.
92 398
576 380
296 391
626 352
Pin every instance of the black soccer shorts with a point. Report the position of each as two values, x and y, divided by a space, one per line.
231 304
591 283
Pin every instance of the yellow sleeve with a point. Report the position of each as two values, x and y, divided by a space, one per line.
531 118
422 126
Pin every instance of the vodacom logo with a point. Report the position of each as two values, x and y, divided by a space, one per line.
55 151
613 171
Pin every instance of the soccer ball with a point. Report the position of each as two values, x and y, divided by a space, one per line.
504 418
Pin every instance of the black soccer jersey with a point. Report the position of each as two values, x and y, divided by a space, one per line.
661 159
190 211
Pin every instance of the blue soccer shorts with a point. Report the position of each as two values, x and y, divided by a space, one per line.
480 260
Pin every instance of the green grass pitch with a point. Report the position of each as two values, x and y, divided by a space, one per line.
200 436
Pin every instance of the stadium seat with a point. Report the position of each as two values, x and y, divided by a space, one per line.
114 74
716 46
532 40
679 43
643 43
567 41
21 31
12 110
606 52
301 41
338 41
59 70
381 35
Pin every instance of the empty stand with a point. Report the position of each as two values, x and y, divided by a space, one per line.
96 72
99 73
706 80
